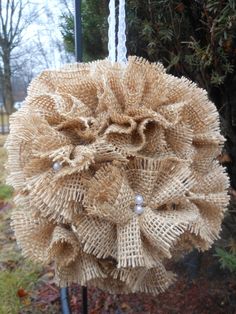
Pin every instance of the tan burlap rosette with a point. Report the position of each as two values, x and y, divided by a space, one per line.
115 170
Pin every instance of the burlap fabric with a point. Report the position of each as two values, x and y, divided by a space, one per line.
115 131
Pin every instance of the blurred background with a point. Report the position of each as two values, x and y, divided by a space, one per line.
196 39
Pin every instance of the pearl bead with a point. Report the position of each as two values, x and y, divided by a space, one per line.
138 199
56 166
138 209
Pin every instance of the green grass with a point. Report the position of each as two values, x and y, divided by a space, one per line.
4 118
2 139
6 192
15 272
3 158
10 282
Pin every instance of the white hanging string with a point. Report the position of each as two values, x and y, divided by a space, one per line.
121 47
112 31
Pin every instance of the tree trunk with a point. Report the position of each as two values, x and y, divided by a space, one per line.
7 84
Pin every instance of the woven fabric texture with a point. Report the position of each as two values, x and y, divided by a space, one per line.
88 140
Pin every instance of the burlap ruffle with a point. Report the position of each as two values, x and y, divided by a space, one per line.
117 131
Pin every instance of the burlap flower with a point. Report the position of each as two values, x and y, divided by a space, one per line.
89 141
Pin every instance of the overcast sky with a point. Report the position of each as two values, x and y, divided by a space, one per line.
46 30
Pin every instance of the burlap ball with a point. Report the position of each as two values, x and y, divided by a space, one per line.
88 140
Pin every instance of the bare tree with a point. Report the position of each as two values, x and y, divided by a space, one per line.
15 17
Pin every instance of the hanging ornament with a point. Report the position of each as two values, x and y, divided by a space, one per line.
114 166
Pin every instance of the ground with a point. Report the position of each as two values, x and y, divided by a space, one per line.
202 287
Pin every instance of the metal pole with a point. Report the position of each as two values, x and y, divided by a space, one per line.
78 31
79 58
85 300
2 119
65 304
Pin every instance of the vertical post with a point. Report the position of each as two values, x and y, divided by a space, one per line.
2 119
79 58
85 300
78 31
65 304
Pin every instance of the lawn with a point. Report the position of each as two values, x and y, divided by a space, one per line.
3 157
4 122
4 118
